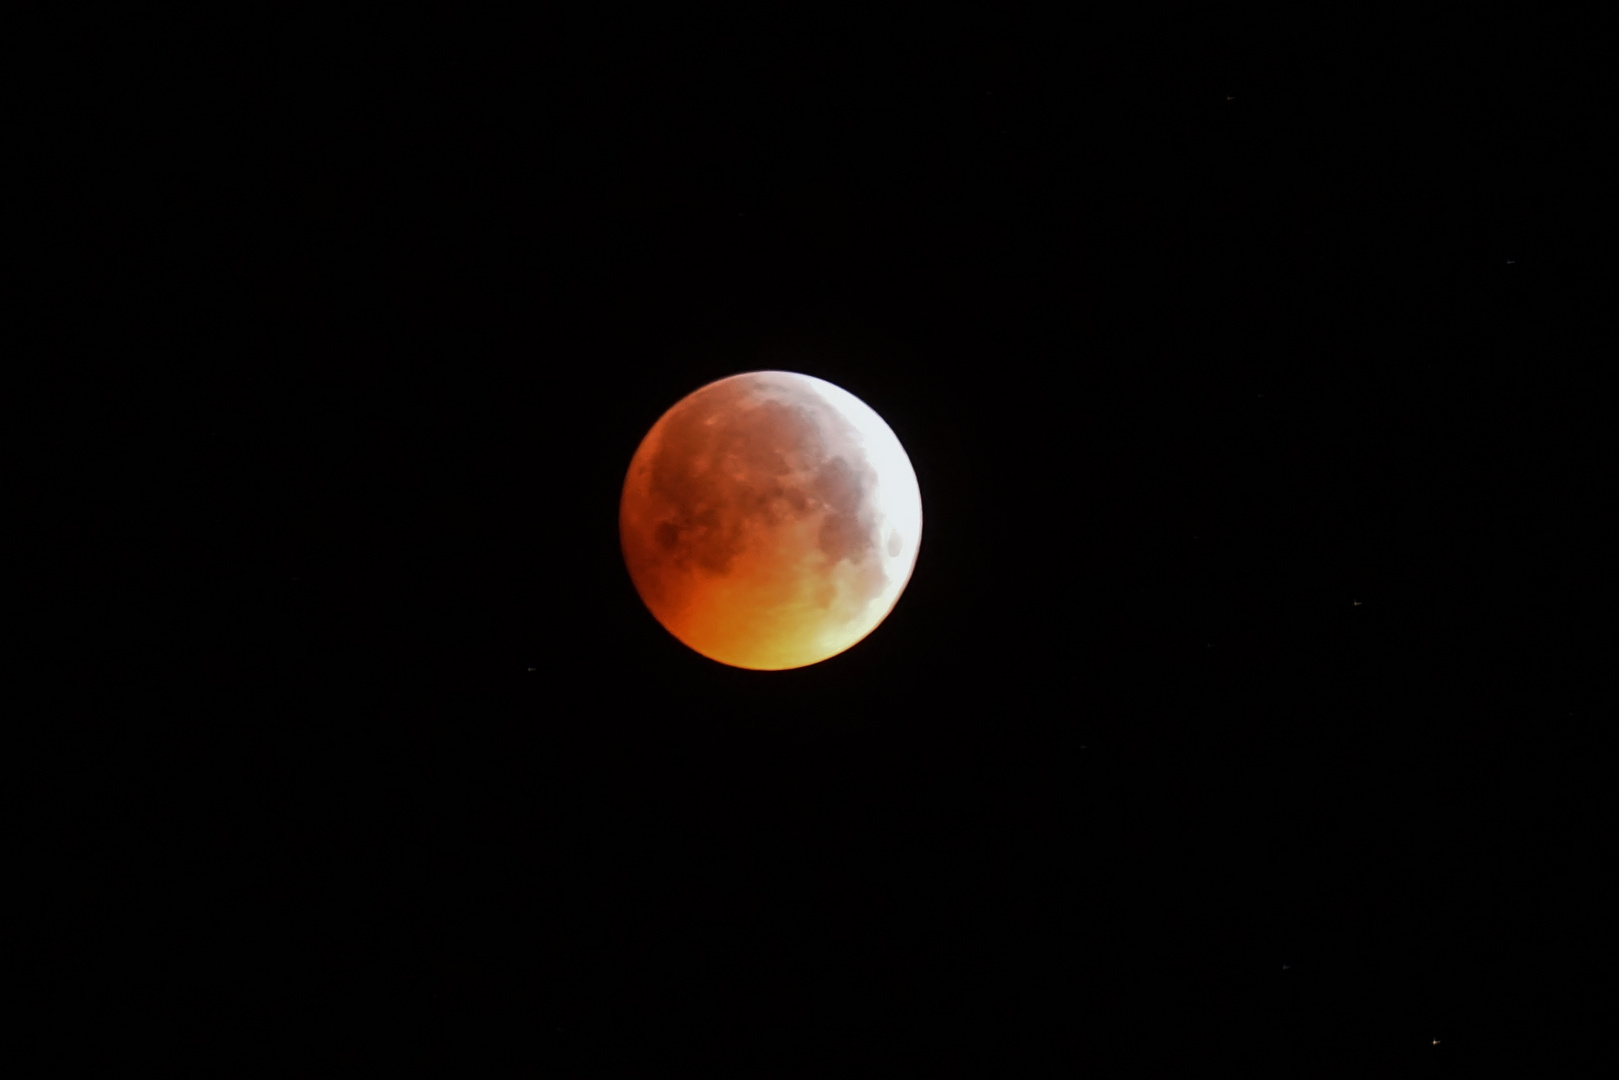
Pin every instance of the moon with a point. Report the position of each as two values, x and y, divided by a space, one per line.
770 520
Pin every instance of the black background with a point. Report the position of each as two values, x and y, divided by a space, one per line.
1242 707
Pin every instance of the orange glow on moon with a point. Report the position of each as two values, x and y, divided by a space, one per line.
770 520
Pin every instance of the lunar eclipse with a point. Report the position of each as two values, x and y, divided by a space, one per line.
770 520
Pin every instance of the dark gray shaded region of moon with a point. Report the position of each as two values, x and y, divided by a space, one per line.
756 453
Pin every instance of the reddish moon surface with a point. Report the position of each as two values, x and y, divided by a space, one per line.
770 520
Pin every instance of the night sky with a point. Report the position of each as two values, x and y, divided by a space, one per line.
1243 707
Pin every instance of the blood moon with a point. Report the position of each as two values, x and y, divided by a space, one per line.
770 520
